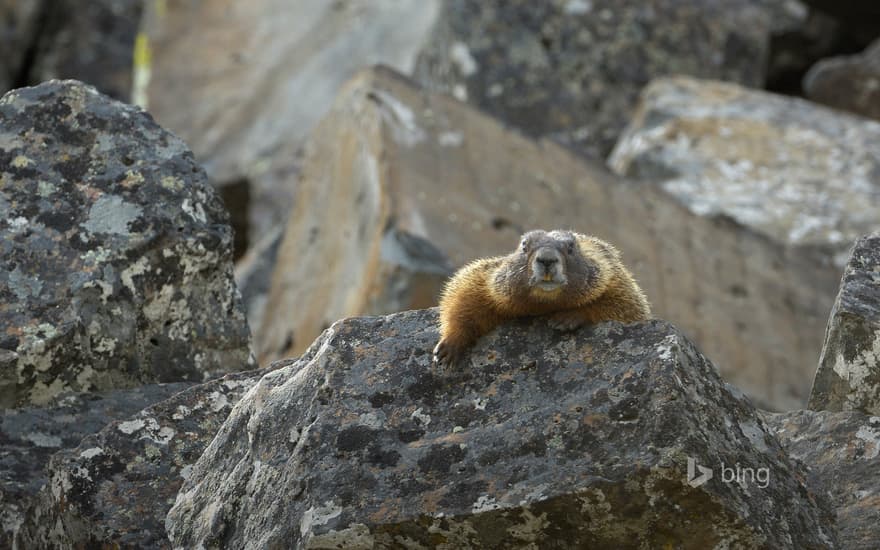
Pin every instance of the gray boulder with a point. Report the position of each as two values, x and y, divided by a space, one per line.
848 377
546 439
115 252
30 436
842 454
573 69
114 489
851 83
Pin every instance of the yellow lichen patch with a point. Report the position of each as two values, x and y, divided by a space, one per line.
21 161
132 179
171 183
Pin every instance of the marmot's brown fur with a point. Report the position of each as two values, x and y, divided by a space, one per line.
574 279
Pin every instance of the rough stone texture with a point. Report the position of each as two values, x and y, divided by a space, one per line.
253 276
18 29
547 440
114 489
390 156
842 454
115 253
851 83
573 69
293 57
848 377
90 41
796 172
30 436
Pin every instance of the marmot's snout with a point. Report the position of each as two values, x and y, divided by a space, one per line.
548 269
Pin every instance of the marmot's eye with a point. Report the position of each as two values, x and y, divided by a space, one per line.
571 247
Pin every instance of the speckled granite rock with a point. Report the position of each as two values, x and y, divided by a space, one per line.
547 440
115 253
30 436
851 83
797 172
842 454
573 69
114 489
848 377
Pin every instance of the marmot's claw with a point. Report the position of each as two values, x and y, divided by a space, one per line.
565 321
445 355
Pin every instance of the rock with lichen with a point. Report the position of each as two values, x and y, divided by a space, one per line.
573 69
544 439
114 489
115 252
842 453
848 377
30 436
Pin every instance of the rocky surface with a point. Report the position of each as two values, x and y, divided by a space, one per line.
19 20
796 172
115 253
851 83
573 69
293 57
253 276
848 377
842 454
114 489
463 186
571 440
30 436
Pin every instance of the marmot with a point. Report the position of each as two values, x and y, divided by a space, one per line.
572 278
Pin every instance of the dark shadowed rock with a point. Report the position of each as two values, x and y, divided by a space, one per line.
115 253
842 454
547 439
572 69
848 377
115 488
30 436
19 20
861 17
851 83
90 41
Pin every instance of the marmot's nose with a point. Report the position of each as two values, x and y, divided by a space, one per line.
547 261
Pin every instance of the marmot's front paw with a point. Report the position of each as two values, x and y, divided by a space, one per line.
447 354
565 320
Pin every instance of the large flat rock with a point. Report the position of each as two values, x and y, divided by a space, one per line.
849 372
842 453
573 69
543 439
115 252
399 184
799 173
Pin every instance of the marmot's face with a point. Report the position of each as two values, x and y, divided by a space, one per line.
550 257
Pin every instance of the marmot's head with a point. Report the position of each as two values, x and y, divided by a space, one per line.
551 266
